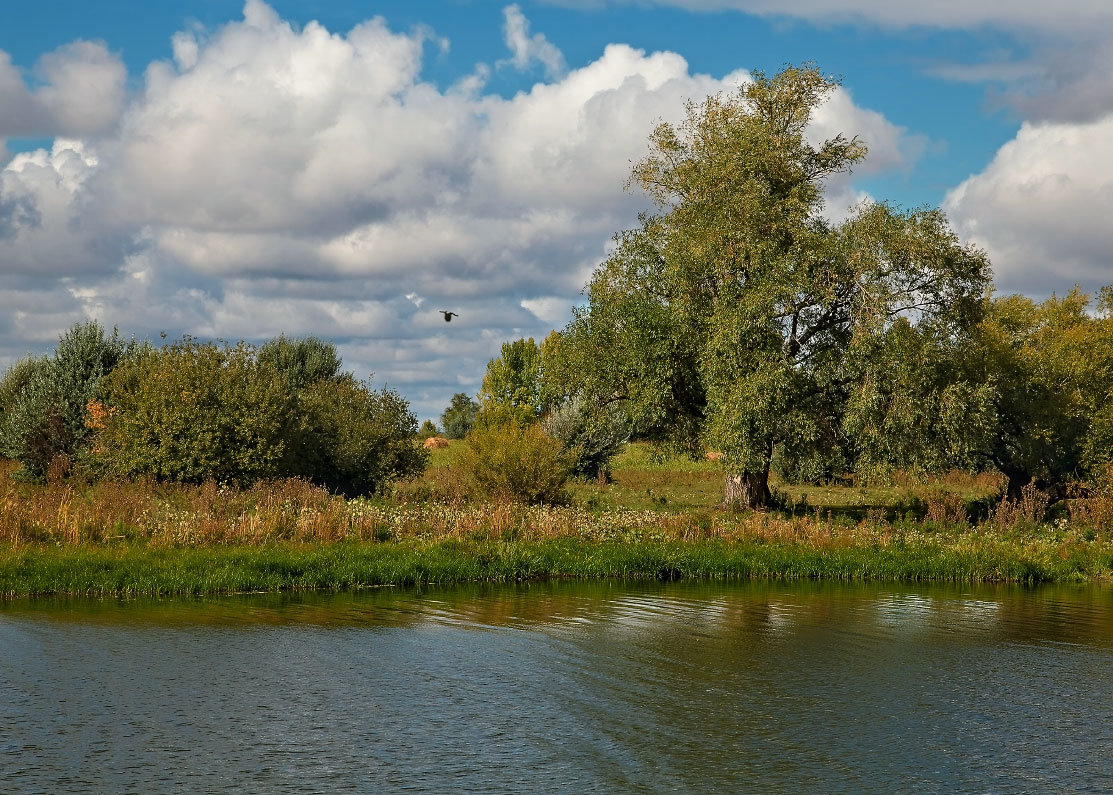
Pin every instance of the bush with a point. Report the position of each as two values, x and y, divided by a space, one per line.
496 415
516 462
592 437
354 440
192 411
15 380
459 417
346 436
303 361
46 417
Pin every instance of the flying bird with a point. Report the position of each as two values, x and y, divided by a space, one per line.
448 315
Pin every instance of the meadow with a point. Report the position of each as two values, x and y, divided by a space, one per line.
656 518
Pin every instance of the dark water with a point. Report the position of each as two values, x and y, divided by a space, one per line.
564 687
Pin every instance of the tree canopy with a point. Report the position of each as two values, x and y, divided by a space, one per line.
459 416
738 316
511 390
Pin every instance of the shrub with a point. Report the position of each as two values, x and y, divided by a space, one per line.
193 411
1095 509
496 415
25 398
592 437
46 417
353 439
427 430
459 417
516 462
14 381
304 361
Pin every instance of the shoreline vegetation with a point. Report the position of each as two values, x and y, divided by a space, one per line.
655 520
733 320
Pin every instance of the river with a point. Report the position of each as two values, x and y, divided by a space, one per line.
660 687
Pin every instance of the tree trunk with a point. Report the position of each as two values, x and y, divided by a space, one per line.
748 490
1015 480
1056 490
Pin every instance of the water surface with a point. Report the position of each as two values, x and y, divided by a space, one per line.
565 686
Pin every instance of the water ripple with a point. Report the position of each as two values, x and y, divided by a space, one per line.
597 686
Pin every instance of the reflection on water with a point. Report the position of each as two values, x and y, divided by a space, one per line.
605 686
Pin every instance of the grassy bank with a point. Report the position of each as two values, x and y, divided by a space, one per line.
655 520
134 570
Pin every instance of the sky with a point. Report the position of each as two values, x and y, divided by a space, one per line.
235 170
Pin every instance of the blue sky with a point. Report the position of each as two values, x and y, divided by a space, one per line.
234 169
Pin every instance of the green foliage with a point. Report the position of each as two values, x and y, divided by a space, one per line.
516 462
353 439
191 411
1026 392
30 426
914 406
811 459
195 411
592 435
628 347
738 318
15 380
460 415
303 361
1051 369
511 390
428 430
46 417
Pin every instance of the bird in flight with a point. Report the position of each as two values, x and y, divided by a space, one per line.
448 315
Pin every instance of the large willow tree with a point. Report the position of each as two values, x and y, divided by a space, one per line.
737 316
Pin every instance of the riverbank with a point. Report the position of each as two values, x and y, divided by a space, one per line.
652 522
132 570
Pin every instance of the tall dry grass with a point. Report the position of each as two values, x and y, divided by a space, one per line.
71 513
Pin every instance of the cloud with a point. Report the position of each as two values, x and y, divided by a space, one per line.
1056 63
1040 208
273 179
82 92
51 225
1077 15
1068 80
526 49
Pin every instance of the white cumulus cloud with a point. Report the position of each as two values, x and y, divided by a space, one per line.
1068 15
1041 208
524 48
81 93
279 179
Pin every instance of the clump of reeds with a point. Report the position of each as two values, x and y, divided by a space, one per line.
1027 510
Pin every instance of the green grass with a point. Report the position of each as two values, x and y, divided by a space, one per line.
642 480
656 520
140 570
